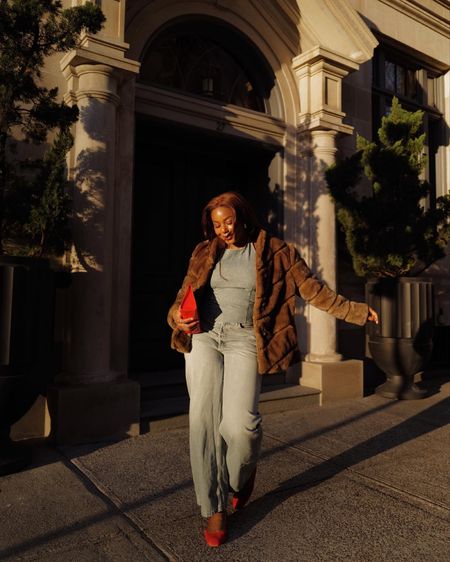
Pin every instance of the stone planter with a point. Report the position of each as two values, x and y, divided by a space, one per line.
26 342
401 344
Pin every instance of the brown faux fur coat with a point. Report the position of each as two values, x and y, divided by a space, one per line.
281 274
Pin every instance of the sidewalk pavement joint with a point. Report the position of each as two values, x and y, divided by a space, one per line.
363 477
158 553
362 481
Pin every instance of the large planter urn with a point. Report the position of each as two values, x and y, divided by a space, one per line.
26 326
401 344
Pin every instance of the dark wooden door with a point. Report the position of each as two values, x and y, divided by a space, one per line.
177 170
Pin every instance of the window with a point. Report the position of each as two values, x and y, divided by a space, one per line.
205 59
417 87
400 80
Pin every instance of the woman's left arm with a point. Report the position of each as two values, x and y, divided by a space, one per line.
318 294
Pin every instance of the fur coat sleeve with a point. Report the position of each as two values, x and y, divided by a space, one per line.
322 297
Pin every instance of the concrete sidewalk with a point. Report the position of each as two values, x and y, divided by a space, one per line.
365 480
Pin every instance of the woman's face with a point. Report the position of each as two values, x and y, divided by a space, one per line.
226 227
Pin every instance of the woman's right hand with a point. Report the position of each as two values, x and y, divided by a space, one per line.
372 316
185 324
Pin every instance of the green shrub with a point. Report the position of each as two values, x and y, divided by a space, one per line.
34 210
390 232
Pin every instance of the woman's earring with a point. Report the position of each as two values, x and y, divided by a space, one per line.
245 226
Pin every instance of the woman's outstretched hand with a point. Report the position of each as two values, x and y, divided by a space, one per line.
372 316
185 324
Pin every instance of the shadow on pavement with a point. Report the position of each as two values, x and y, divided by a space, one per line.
398 435
437 415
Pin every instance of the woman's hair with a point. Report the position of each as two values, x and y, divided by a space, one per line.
245 215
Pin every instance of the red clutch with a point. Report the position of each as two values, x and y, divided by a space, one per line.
188 308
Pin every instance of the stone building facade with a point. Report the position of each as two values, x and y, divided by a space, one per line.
182 99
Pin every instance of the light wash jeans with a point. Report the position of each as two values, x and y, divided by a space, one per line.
224 423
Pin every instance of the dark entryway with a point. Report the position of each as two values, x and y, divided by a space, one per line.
177 170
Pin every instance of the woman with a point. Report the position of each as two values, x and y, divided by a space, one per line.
245 282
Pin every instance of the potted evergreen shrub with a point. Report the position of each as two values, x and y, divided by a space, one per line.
393 234
34 200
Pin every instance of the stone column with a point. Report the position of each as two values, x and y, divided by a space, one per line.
323 339
88 351
93 400
319 72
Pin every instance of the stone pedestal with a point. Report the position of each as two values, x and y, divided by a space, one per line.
96 412
336 380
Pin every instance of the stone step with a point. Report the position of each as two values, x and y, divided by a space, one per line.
171 384
288 397
161 385
171 413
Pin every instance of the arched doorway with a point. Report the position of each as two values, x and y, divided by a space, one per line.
202 127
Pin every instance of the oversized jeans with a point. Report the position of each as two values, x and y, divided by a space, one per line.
224 424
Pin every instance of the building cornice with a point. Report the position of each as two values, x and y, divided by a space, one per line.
355 28
335 25
319 53
437 66
415 10
98 50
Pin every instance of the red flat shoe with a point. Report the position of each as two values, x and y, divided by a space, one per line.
241 498
216 538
